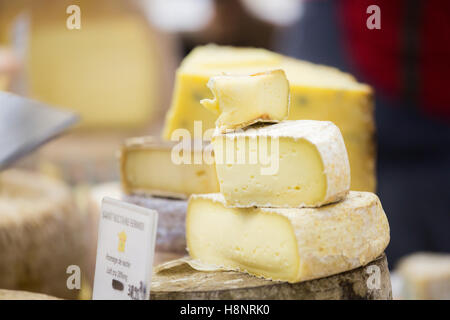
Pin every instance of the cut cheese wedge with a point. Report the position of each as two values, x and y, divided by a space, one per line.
244 100
286 244
288 164
150 167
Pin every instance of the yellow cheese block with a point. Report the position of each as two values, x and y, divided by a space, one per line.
161 169
244 100
294 163
317 93
108 71
286 244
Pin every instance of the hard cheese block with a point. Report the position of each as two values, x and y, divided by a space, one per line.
244 100
149 167
286 244
317 93
294 163
41 234
177 280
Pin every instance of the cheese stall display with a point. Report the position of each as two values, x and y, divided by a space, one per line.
317 93
41 234
269 235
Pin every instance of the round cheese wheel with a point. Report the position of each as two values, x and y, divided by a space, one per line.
41 234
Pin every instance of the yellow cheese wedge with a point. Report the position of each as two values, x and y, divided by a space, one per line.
316 93
286 244
154 168
244 100
289 164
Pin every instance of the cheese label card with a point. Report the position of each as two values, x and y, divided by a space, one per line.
125 250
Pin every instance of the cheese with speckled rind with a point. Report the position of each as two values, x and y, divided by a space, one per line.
246 99
148 167
294 163
286 244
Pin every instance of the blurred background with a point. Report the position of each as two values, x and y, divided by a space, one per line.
118 72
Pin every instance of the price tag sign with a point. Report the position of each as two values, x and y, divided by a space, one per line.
125 251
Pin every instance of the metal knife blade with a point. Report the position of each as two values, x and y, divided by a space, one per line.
26 124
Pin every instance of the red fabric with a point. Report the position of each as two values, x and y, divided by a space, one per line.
435 57
379 55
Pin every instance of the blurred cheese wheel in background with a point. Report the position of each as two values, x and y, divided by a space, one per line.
41 233
112 71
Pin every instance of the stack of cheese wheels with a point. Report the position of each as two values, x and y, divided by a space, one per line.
41 234
284 211
154 177
317 93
